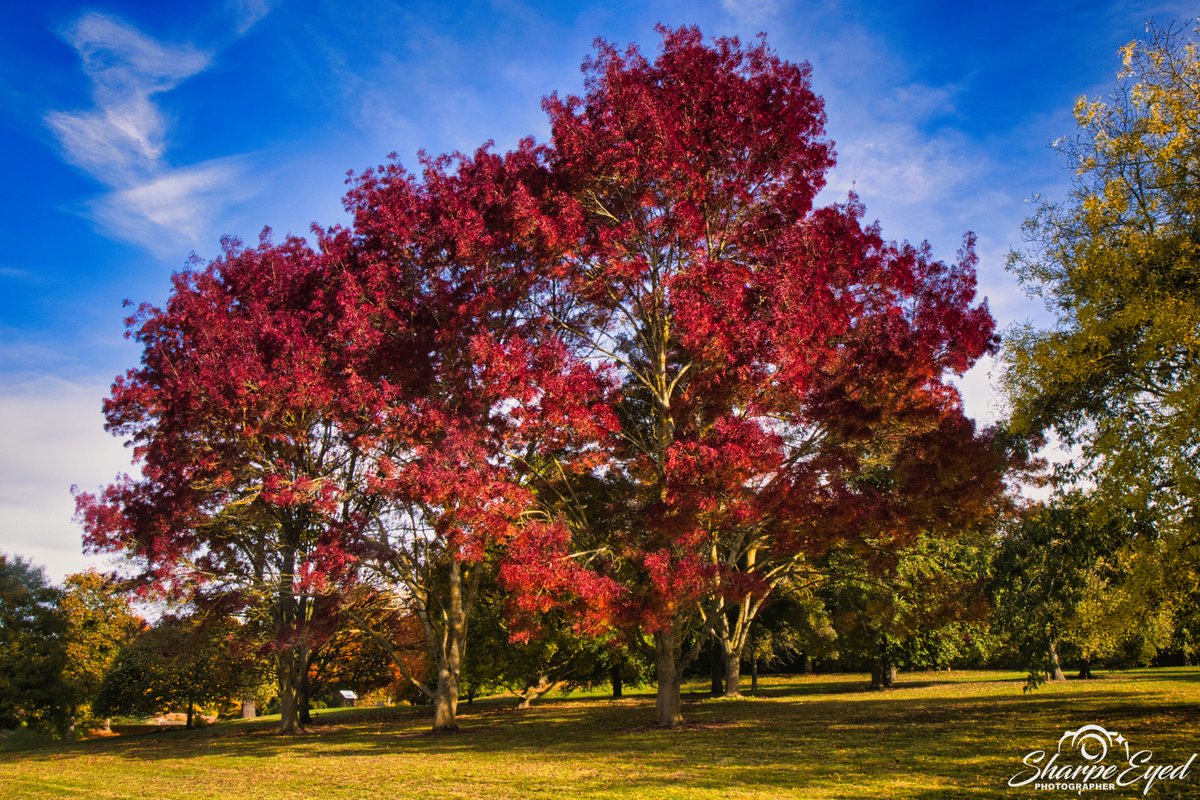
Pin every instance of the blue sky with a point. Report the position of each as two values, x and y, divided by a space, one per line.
135 133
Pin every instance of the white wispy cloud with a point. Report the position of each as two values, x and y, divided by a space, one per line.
754 11
123 140
247 13
174 207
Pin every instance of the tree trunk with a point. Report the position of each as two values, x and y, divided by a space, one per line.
287 672
732 641
808 664
249 708
667 702
883 671
303 700
450 655
716 669
71 722
107 725
883 675
1085 669
614 676
733 673
533 692
191 714
1056 673
445 702
290 663
754 675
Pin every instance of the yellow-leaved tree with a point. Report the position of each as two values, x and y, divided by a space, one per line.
1118 265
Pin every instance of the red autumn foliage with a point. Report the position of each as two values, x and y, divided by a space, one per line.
772 356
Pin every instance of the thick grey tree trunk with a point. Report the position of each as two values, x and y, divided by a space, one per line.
667 703
450 656
287 668
733 673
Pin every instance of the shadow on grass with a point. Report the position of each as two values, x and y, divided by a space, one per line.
923 744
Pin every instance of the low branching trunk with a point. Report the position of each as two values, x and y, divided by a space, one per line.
614 676
533 692
1055 672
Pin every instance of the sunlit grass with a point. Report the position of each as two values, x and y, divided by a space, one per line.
937 735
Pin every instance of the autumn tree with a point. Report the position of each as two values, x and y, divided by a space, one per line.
100 622
1117 373
770 355
375 645
454 384
248 488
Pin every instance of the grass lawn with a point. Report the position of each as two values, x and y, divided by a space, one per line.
936 735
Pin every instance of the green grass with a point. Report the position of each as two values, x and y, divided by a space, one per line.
936 735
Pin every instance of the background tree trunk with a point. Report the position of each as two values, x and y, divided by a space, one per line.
716 670
614 676
303 700
1056 673
883 675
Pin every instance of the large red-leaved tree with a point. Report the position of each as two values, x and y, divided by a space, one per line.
778 363
248 487
454 383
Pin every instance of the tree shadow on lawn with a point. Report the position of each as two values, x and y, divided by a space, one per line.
885 744
575 727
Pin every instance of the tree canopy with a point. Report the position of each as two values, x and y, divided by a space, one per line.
1118 373
634 377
